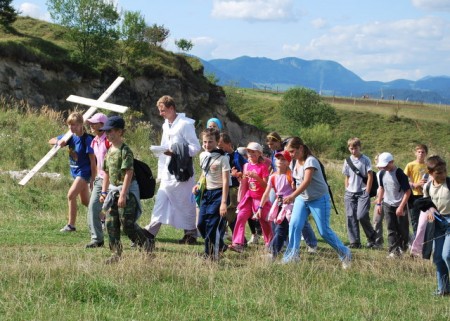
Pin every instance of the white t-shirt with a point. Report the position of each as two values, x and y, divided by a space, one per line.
355 182
217 165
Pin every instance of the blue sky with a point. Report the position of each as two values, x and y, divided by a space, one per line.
377 39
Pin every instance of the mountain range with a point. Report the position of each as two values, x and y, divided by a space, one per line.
324 76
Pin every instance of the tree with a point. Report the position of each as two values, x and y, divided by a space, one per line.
184 45
132 36
91 26
156 35
304 108
7 13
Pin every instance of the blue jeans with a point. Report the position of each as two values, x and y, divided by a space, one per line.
94 211
441 257
320 210
210 224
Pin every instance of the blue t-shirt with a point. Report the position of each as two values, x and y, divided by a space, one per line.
79 149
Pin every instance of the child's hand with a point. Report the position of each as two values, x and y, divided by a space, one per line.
122 201
252 174
288 199
61 143
223 209
195 189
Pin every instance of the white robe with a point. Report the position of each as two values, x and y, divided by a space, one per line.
174 203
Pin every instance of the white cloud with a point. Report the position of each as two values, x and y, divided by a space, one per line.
433 5
204 47
319 23
260 10
393 49
34 11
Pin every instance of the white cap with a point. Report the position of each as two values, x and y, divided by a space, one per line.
384 159
255 146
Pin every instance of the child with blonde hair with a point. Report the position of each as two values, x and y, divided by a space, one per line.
82 163
253 185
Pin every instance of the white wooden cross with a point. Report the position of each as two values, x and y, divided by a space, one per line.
94 104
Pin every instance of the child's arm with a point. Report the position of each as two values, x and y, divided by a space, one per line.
401 208
380 196
125 186
105 186
263 200
225 190
302 187
261 181
93 169
346 181
369 182
55 141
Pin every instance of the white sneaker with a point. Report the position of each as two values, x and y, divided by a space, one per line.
254 239
68 228
346 263
312 250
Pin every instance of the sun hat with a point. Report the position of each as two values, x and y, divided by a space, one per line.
98 118
114 122
285 154
384 159
255 146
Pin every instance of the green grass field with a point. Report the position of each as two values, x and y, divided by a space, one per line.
47 275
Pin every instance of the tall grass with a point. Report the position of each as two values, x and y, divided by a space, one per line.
47 275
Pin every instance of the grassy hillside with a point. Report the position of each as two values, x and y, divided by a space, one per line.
33 40
46 275
382 126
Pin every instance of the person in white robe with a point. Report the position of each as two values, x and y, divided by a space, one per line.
174 204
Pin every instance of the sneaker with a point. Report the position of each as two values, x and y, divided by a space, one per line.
311 249
254 239
440 293
113 259
188 239
68 228
355 245
94 244
346 263
236 248
394 255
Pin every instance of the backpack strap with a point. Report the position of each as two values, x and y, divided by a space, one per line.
322 168
353 167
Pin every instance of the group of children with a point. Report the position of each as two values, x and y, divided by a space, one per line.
279 192
104 165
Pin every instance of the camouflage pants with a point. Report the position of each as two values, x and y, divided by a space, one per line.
125 217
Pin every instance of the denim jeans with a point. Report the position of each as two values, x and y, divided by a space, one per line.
210 224
320 210
441 257
94 211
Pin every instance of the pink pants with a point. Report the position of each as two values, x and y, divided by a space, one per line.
246 211
417 245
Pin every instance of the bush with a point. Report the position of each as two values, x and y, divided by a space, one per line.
304 108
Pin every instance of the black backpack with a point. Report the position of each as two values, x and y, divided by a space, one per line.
144 178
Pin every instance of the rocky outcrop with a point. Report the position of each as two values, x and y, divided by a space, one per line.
194 95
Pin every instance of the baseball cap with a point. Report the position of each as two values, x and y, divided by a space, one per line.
114 122
255 146
384 159
98 118
285 154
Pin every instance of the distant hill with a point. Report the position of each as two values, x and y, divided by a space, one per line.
324 76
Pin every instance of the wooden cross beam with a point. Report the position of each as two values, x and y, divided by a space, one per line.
95 104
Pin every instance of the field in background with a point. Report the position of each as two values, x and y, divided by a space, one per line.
46 275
